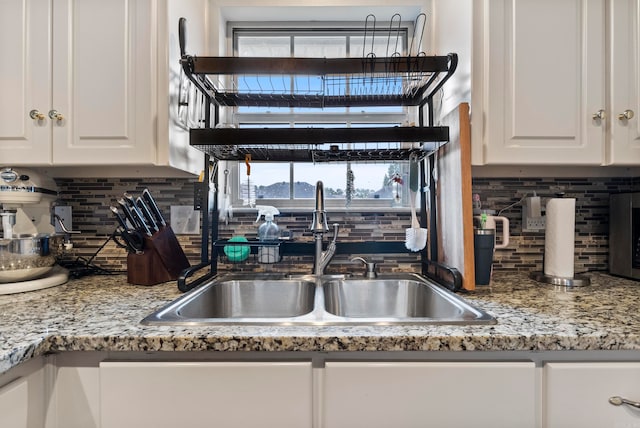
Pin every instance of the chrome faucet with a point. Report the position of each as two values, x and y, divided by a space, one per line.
319 228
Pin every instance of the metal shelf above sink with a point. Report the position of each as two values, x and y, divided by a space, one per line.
281 299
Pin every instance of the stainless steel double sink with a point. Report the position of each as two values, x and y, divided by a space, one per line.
280 299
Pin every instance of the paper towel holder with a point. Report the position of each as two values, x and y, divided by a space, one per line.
575 281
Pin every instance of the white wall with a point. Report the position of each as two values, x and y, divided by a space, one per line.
222 11
449 27
195 11
452 32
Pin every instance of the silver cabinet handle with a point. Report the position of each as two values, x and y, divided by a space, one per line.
619 401
599 115
36 115
627 114
55 115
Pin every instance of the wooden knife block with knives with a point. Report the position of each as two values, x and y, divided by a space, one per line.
155 255
161 260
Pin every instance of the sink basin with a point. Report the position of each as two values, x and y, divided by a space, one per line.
236 300
396 299
277 299
251 299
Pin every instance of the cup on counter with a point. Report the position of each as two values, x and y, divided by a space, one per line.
483 246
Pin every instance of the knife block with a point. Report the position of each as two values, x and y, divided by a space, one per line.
162 259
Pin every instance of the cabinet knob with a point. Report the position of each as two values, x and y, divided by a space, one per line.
599 115
619 401
626 115
36 115
55 115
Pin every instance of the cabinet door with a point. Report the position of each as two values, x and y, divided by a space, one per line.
103 74
22 402
544 73
14 404
25 81
577 394
624 16
205 394
376 394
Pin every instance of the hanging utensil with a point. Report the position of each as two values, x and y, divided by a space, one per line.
416 237
226 211
350 185
248 191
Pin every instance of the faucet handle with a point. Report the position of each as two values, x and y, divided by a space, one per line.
336 227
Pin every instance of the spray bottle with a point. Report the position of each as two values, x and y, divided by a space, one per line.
268 231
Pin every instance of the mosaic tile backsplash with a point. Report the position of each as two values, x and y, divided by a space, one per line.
526 249
91 198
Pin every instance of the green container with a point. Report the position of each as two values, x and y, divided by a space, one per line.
237 253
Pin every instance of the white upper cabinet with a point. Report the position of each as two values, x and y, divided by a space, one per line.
87 83
80 87
25 81
103 82
543 80
624 69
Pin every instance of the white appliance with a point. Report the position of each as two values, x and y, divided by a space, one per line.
29 244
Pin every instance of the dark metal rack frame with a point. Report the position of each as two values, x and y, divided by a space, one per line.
285 144
407 81
306 144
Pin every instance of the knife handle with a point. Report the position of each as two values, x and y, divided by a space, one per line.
148 198
121 220
148 217
127 213
133 241
137 215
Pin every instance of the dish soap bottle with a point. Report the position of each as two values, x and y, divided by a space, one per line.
268 232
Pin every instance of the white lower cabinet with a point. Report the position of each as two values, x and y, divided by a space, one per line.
206 394
429 394
577 394
22 401
73 390
14 404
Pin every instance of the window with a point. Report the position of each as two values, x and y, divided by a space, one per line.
293 184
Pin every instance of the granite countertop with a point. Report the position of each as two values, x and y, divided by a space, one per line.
103 313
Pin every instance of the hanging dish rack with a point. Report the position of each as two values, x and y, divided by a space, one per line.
394 80
318 82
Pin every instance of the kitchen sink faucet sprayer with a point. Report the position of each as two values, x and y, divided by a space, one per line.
319 228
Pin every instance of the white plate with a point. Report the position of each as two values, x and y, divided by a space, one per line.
58 275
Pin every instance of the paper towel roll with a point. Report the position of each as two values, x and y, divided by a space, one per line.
559 237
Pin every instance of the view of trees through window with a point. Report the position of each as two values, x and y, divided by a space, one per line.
382 181
371 181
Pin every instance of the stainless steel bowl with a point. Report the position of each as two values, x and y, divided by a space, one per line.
28 257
